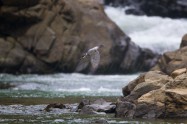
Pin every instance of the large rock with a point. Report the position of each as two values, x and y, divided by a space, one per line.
144 83
165 8
157 96
45 36
174 60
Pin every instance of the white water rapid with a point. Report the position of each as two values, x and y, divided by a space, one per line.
157 33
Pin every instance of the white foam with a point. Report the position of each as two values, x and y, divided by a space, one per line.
82 89
157 33
67 84
59 120
103 89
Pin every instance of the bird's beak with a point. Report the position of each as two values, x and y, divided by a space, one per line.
101 46
83 56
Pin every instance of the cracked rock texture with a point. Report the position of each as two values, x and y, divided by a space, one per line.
154 95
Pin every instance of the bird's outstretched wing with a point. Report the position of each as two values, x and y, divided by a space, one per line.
83 63
95 58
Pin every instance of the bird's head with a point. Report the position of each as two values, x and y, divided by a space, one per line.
83 56
101 46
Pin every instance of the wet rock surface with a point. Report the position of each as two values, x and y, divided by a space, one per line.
36 114
164 8
154 95
63 108
55 105
50 36
99 106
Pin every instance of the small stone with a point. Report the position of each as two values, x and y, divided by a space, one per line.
54 105
99 106
83 103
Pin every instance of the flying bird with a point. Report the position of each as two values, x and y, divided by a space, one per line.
92 56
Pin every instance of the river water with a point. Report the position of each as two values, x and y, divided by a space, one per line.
62 85
24 101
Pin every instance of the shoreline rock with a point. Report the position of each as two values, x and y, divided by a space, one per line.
154 95
160 93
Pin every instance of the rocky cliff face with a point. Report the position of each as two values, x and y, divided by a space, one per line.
47 36
164 8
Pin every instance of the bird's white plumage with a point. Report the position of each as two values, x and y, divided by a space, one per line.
93 49
95 58
91 56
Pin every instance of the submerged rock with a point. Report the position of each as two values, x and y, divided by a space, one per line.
65 108
4 85
50 36
154 95
55 105
99 106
